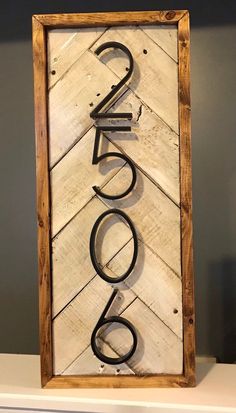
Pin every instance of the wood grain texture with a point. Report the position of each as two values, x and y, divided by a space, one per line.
108 19
81 315
70 103
162 380
65 46
165 187
165 37
156 218
71 184
157 158
186 199
87 361
43 221
72 180
72 267
79 319
155 76
166 303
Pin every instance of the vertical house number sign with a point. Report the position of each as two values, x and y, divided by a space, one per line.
112 115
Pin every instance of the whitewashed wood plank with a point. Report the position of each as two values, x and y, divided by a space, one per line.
70 100
158 350
73 177
152 145
73 327
72 267
156 218
165 36
154 283
65 46
155 76
155 149
90 364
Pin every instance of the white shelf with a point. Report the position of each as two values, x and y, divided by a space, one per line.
20 389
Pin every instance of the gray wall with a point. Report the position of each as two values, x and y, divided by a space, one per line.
214 171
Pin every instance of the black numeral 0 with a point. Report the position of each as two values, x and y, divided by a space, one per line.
94 260
114 319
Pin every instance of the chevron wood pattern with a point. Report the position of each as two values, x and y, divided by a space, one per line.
151 297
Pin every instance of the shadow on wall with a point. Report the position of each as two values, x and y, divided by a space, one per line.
222 309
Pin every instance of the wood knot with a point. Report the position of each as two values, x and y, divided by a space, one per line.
40 221
170 15
183 44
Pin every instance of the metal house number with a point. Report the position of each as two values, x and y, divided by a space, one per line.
98 114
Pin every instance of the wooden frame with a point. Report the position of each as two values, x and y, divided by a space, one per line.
41 23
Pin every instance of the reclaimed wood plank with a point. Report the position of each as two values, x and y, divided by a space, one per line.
71 101
155 76
73 327
186 199
90 364
43 202
167 142
159 350
110 382
165 37
153 282
156 217
72 332
65 46
72 266
72 180
153 146
111 18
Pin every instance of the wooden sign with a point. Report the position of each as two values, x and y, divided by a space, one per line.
112 113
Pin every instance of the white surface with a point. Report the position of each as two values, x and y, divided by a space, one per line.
20 389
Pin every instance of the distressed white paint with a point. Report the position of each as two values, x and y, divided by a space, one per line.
72 267
93 366
153 145
70 103
155 76
73 327
160 289
151 297
72 180
156 218
65 46
165 37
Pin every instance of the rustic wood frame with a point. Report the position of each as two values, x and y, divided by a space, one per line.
41 23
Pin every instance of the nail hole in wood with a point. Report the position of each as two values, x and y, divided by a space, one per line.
190 321
91 104
127 69
98 94
175 311
144 51
53 72
117 370
113 86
